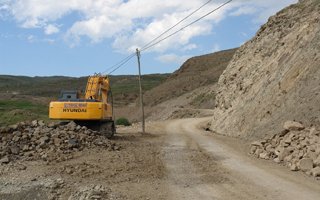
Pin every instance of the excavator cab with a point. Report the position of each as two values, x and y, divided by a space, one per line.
69 95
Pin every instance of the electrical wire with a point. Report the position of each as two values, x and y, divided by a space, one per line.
146 45
119 63
151 44
172 27
195 21
123 63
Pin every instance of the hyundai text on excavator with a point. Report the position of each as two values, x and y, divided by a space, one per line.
93 109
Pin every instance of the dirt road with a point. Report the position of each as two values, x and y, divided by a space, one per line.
178 160
201 166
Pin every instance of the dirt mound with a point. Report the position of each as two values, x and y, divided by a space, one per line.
296 146
274 77
49 142
194 73
197 103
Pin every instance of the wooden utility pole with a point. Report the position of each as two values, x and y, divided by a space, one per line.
141 93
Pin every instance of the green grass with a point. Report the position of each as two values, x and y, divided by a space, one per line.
13 111
125 88
123 121
51 86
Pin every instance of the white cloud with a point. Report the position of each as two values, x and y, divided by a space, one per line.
51 29
31 38
131 24
49 41
216 48
260 8
172 58
190 47
245 10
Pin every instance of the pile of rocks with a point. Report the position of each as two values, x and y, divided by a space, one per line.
50 142
92 192
296 146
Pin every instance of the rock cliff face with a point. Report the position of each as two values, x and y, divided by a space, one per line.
274 77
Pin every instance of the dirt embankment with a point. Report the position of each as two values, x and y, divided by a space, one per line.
274 77
190 88
194 73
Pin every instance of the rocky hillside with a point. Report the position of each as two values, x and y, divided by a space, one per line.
274 77
194 73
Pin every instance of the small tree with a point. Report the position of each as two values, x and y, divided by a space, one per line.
123 121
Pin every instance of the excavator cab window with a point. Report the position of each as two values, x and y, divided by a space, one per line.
69 96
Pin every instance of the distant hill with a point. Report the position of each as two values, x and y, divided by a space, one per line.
196 72
125 87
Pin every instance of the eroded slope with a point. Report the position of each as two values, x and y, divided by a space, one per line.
274 77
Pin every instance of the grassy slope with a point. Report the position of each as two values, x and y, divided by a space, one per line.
13 111
30 103
51 86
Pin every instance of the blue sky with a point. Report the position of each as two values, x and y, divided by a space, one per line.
81 37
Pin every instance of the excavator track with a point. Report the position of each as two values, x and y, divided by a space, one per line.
107 128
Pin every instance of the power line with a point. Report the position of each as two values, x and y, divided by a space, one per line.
176 24
195 21
122 62
150 44
119 63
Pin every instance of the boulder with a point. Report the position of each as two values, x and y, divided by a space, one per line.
315 171
257 143
283 153
294 167
15 150
5 160
264 155
293 126
34 123
317 161
306 164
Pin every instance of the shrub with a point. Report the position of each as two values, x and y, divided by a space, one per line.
123 121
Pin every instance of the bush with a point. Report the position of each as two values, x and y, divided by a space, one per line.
123 121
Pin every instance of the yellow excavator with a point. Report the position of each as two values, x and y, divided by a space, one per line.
93 109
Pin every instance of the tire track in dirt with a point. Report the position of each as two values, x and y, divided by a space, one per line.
183 176
243 178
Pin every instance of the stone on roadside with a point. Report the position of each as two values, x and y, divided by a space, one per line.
21 167
293 126
306 164
315 171
277 160
294 167
253 149
264 155
317 161
5 160
15 150
257 143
